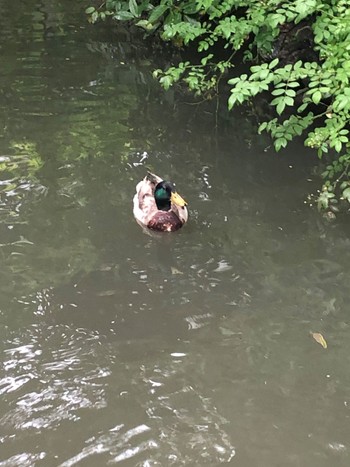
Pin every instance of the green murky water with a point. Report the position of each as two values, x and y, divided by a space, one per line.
189 349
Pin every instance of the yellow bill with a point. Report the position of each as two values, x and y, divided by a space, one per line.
177 199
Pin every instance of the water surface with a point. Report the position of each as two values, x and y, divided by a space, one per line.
187 349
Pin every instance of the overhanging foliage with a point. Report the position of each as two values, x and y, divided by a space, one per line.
299 56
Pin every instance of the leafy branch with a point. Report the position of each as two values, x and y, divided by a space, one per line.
309 95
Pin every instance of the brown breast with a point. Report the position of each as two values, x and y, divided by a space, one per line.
165 221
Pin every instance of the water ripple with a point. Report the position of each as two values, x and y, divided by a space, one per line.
24 459
116 443
116 403
58 376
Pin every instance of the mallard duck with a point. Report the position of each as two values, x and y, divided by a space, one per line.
158 206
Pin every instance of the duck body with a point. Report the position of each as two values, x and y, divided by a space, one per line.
158 206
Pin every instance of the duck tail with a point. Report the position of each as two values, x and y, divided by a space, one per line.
153 178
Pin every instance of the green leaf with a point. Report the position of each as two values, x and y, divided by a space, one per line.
124 16
302 107
264 74
280 107
156 73
157 13
231 101
276 19
133 8
280 143
290 92
145 24
90 10
262 127
276 100
166 82
338 146
233 80
273 63
203 45
205 60
346 194
316 97
278 92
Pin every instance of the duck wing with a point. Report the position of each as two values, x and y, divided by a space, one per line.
144 203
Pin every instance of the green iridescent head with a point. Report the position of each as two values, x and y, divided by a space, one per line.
165 194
